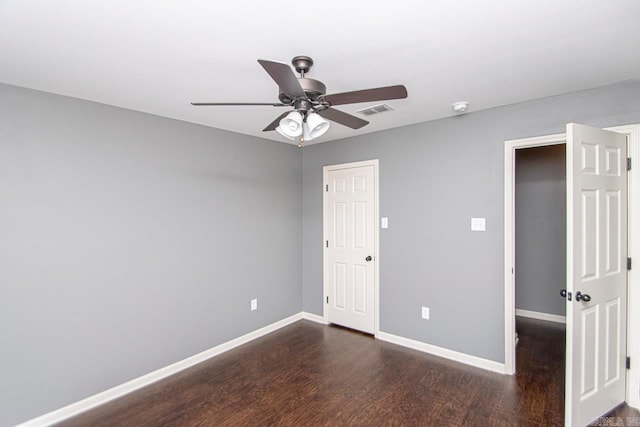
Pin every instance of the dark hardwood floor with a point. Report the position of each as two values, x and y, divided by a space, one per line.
307 374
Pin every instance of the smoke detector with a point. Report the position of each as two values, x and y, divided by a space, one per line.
380 108
460 106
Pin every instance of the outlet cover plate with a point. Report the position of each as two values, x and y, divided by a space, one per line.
425 313
254 304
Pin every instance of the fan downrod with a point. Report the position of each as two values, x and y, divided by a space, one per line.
302 64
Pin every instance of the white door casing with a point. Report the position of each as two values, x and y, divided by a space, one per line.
350 210
596 266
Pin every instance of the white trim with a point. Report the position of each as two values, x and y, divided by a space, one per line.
633 278
376 250
121 390
541 316
147 379
633 284
467 359
376 234
313 318
509 240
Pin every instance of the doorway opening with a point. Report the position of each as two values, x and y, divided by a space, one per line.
540 272
540 232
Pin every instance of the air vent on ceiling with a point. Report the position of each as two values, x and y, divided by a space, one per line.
380 108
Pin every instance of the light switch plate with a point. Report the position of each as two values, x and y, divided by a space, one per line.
384 222
254 304
478 224
425 313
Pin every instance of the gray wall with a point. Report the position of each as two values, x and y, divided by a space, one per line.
540 228
434 177
129 242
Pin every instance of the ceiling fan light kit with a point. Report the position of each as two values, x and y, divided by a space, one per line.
311 105
309 126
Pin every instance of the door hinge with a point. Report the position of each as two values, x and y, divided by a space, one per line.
327 244
326 188
628 263
628 163
328 303
628 362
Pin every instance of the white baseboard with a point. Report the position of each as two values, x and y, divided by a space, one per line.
143 381
426 348
541 316
467 359
313 317
147 379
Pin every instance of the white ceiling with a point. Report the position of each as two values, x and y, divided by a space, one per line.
157 56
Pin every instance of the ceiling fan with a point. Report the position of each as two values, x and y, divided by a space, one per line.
311 105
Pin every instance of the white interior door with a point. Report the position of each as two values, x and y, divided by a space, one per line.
350 258
596 273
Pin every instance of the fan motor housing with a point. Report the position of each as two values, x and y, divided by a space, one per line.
312 88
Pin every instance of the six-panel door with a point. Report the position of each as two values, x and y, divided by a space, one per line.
596 273
350 251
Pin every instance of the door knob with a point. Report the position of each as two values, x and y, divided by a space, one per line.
582 297
368 258
563 293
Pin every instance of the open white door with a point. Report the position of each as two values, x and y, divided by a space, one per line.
596 273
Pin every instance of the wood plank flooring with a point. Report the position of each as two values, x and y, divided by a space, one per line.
308 374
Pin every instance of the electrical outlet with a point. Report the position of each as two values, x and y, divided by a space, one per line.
425 313
254 304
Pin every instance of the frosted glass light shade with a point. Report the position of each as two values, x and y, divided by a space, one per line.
305 132
317 125
291 125
281 132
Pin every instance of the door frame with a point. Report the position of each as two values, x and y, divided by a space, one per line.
376 237
633 243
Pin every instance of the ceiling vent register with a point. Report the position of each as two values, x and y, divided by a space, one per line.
380 108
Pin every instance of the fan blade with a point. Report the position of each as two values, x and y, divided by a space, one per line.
283 75
367 95
343 118
274 124
233 104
